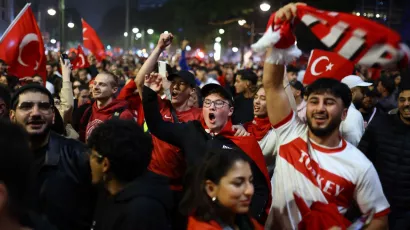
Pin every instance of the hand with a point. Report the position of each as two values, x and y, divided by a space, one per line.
185 43
153 81
165 40
287 12
26 79
240 131
65 69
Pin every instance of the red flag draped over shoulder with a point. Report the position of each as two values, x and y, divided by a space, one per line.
22 47
92 42
355 38
80 61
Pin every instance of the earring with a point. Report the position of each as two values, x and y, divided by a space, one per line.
213 199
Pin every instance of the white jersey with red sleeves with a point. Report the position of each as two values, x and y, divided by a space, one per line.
338 175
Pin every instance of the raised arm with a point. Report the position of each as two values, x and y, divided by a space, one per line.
149 65
276 98
169 132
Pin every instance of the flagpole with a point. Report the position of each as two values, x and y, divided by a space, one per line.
15 20
62 27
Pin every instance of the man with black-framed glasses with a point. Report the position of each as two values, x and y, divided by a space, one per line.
61 185
213 131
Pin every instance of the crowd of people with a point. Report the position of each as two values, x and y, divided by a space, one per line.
204 145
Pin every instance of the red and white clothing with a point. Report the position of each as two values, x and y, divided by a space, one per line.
317 173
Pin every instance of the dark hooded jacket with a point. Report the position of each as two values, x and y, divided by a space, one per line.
143 205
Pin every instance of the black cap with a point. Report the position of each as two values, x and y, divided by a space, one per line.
297 85
32 86
215 88
186 76
248 75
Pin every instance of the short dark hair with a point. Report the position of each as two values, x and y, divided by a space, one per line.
248 75
5 96
125 145
388 84
33 88
332 86
15 163
202 68
83 87
216 165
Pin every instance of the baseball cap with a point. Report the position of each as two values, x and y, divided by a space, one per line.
212 88
186 76
248 75
353 81
298 86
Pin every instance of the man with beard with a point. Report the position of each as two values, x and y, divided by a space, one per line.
214 130
105 107
386 143
61 183
313 161
352 128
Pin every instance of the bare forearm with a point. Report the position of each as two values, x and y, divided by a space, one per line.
147 68
380 223
276 97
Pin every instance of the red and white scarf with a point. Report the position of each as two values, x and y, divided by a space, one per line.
355 38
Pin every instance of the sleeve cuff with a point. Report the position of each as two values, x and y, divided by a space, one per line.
284 121
382 213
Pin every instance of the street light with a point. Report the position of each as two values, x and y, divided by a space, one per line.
125 34
221 31
51 12
150 31
188 48
242 22
70 25
139 35
135 30
218 39
235 49
53 41
265 7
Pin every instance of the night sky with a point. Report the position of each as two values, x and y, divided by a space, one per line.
94 10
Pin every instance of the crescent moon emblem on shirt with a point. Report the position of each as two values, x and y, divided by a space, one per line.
26 40
313 68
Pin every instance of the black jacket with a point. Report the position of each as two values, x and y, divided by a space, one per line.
143 205
196 142
62 189
386 143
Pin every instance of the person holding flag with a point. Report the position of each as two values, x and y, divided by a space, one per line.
313 161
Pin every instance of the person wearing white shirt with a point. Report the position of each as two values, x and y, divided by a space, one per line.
352 129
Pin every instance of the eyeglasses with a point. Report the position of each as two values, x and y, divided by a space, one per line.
43 107
218 103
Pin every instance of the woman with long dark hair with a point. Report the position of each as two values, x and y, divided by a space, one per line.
220 193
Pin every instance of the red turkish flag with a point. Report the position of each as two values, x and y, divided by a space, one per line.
22 47
92 42
327 64
80 61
